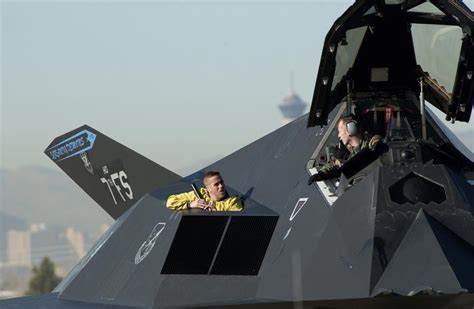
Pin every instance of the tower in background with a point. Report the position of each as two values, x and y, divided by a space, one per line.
292 106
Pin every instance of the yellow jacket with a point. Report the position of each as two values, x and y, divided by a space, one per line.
180 201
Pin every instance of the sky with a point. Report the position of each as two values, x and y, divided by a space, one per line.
181 82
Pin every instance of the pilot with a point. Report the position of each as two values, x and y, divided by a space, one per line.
353 141
214 197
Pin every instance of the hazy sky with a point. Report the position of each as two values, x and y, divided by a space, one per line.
179 82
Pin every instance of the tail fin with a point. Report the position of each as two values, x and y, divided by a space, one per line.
112 174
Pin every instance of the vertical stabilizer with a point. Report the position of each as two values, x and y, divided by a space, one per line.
112 174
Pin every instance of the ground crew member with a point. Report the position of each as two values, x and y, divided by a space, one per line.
214 197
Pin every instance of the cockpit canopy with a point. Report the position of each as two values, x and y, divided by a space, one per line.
390 45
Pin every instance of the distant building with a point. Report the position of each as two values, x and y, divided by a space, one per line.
103 228
7 223
18 248
25 246
292 107
38 227
5 294
76 240
14 280
51 241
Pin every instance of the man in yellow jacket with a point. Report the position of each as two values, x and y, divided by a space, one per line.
214 197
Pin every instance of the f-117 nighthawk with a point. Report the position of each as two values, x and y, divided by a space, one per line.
395 229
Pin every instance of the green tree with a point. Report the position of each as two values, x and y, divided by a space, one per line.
44 278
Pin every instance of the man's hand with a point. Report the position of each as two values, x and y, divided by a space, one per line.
374 141
201 204
210 207
318 177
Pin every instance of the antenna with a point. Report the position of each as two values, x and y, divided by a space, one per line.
292 88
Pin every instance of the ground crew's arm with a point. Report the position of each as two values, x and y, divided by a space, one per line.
231 203
180 201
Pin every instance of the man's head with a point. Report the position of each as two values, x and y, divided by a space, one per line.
350 141
215 185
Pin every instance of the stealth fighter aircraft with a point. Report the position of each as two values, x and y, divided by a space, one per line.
394 230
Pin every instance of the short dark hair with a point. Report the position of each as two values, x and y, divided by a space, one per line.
210 174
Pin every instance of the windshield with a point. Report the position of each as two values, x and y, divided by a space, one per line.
437 50
346 53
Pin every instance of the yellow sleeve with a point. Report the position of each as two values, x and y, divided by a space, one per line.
180 201
232 203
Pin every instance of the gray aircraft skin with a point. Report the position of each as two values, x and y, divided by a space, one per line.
394 230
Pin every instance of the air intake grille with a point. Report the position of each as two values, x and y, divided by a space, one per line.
244 246
220 245
194 245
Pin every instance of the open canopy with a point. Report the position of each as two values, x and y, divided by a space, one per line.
388 45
